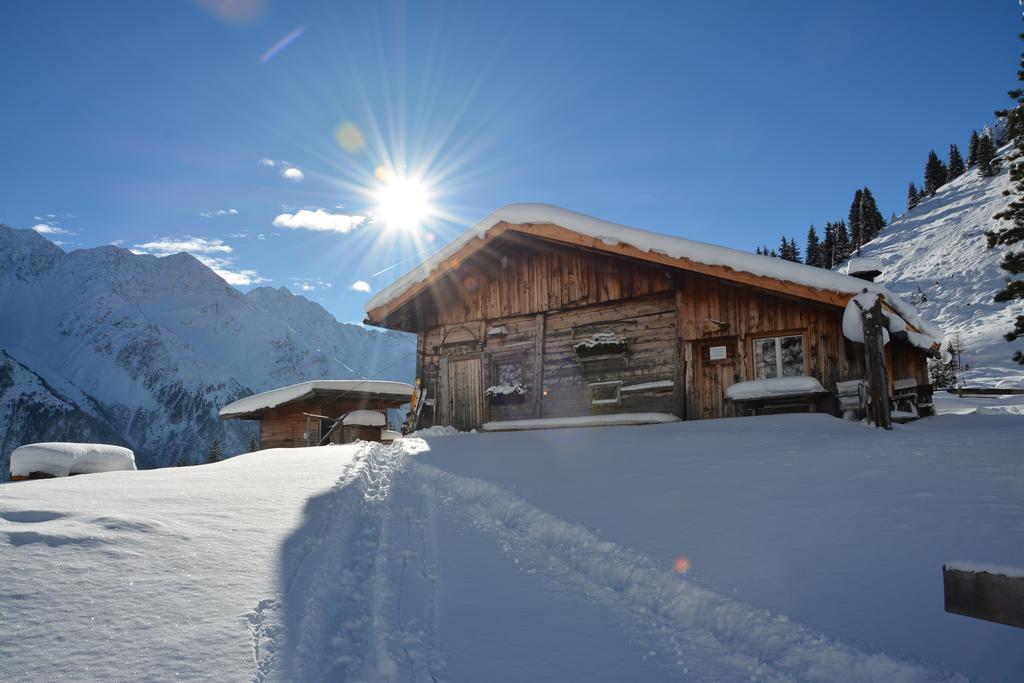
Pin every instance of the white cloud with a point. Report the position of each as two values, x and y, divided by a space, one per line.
193 245
117 243
293 174
44 229
219 212
202 248
266 161
360 286
319 220
238 235
309 285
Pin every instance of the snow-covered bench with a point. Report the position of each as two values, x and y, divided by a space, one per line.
777 395
56 459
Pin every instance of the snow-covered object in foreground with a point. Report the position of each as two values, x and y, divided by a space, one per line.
295 392
853 323
656 243
437 430
365 418
64 459
581 421
773 388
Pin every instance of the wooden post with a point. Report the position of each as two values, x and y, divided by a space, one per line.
984 594
874 357
538 367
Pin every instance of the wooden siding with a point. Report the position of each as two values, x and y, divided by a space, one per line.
285 426
530 301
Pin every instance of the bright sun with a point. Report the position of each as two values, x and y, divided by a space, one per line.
403 203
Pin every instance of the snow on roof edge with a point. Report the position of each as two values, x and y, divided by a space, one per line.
275 397
672 246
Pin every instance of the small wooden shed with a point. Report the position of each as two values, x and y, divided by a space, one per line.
541 312
305 414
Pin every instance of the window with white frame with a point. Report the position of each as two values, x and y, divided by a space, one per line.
779 356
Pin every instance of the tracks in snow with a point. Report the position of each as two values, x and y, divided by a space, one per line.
360 589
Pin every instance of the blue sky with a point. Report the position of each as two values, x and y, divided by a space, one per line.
154 125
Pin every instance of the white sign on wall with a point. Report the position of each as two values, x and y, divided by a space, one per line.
717 353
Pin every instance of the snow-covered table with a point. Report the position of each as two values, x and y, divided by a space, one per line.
778 395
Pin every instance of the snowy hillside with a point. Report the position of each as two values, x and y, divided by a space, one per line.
710 551
151 348
939 250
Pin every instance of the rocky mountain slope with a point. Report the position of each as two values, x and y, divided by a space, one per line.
936 256
143 351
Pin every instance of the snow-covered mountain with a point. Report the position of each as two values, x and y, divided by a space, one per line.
104 344
936 256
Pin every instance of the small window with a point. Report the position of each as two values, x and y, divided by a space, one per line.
606 393
779 357
508 373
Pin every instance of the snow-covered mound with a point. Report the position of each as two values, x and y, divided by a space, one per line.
936 256
64 459
784 548
146 350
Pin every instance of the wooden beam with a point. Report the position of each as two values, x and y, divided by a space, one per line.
538 366
874 360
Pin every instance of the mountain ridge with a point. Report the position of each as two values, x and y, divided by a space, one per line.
151 347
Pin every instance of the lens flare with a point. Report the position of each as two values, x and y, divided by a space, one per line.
281 44
350 138
403 203
681 565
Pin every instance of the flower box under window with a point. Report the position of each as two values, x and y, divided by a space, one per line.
600 344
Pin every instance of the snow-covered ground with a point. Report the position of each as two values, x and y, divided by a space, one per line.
794 547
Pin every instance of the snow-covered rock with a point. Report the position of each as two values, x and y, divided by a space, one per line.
936 256
64 459
144 351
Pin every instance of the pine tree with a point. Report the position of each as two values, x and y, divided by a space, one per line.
872 221
843 247
942 375
956 166
972 150
1013 261
912 197
935 173
856 218
813 255
986 157
794 251
828 247
215 452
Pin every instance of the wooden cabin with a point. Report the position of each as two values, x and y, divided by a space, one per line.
320 412
540 312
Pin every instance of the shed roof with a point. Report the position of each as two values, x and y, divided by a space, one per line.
250 406
569 227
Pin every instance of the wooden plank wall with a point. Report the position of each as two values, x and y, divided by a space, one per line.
547 297
285 426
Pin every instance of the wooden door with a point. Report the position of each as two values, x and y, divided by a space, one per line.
716 370
465 392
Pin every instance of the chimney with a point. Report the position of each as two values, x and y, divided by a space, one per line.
864 268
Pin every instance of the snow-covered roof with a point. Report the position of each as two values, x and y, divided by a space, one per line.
654 243
863 265
64 459
365 418
357 388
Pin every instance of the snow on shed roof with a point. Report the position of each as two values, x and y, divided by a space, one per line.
654 243
399 391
